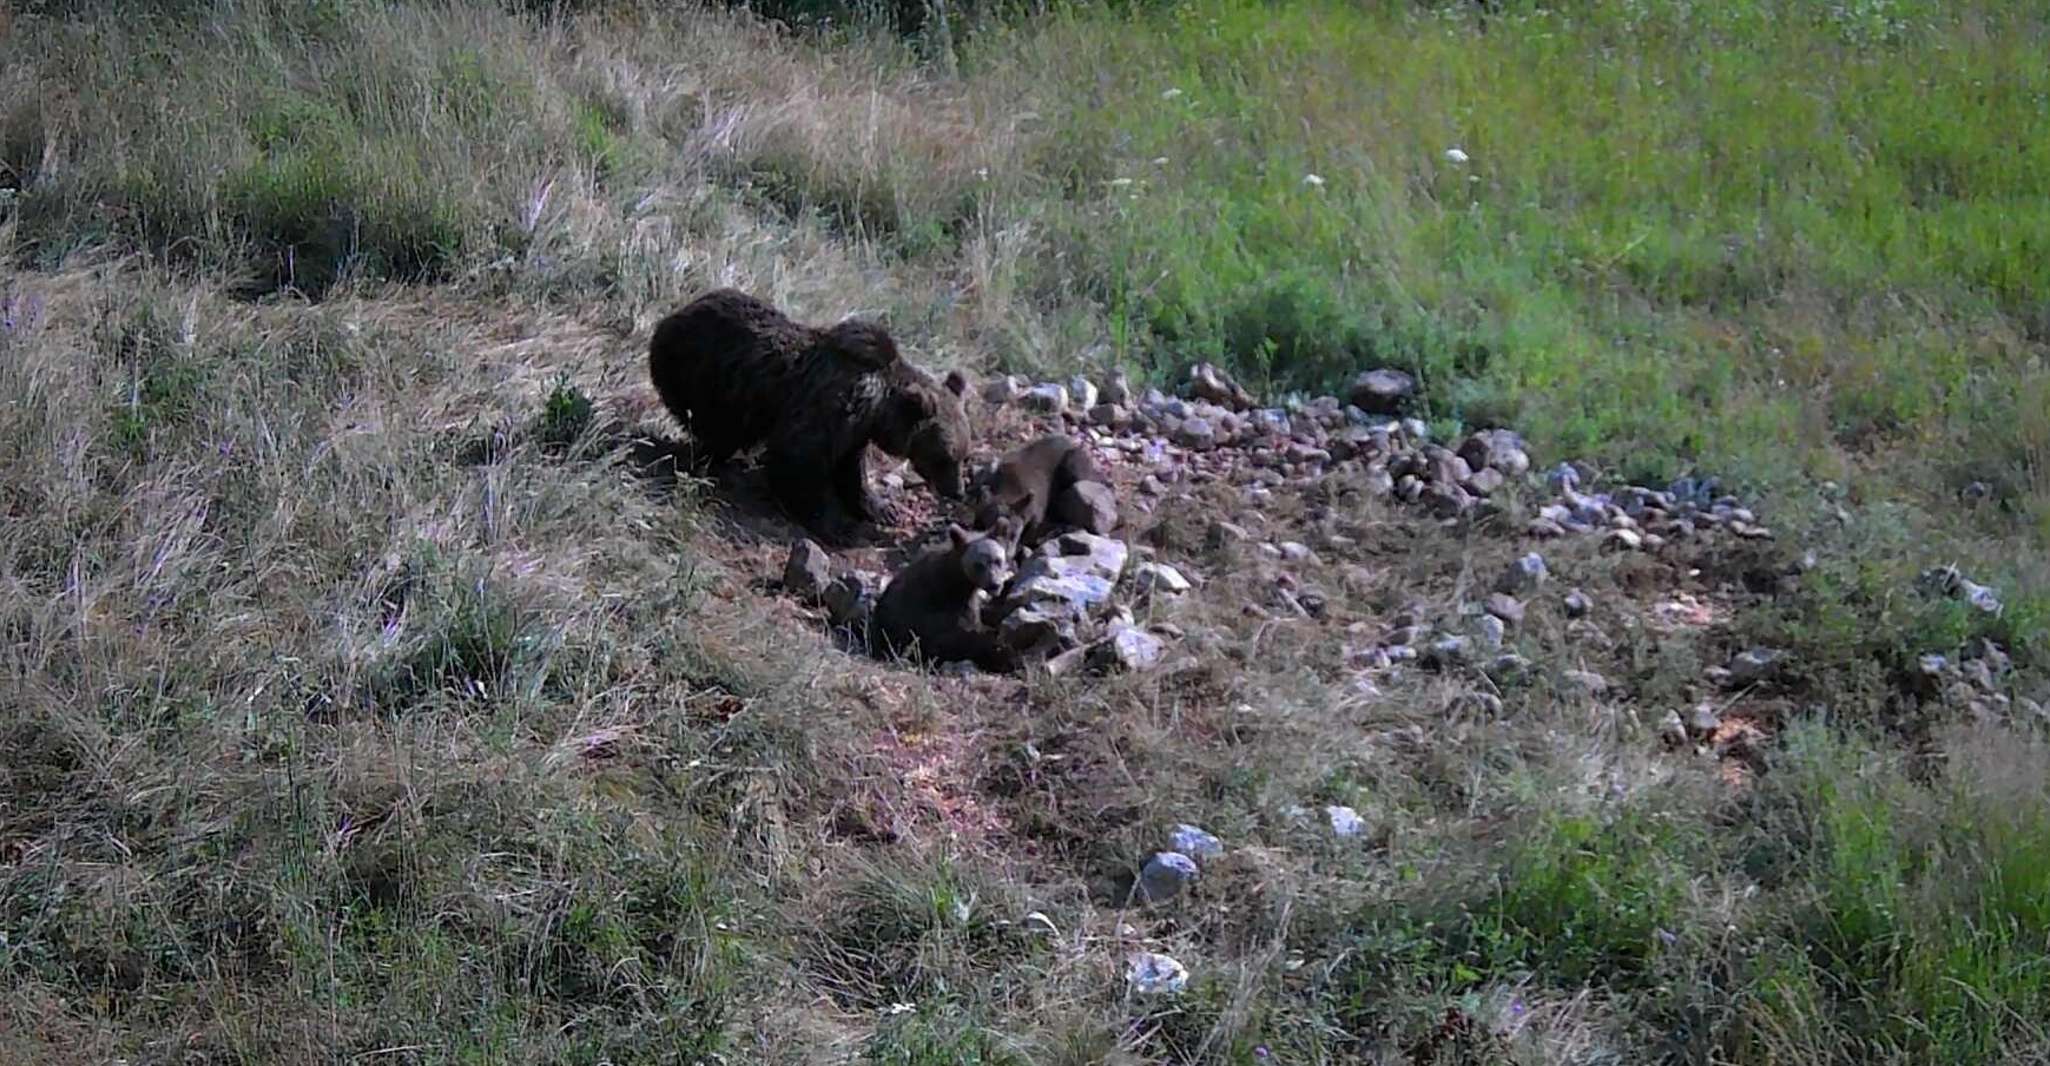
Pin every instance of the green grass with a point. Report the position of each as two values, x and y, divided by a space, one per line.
333 734
1756 237
1872 920
1926 922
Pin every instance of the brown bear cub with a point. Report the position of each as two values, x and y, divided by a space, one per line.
736 372
1035 486
932 609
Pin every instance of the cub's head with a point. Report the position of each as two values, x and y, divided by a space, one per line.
985 562
926 421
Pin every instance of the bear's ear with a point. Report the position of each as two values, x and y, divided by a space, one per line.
957 383
1004 528
957 536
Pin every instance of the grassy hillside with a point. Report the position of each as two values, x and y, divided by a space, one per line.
359 707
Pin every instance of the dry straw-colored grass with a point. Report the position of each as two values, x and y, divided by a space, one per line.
364 700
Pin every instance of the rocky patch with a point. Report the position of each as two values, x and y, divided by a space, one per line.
1265 484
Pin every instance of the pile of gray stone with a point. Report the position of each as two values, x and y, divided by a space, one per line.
1070 603
1216 431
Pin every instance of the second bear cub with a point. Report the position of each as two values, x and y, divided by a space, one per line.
1034 486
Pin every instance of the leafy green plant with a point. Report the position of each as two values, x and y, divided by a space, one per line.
566 415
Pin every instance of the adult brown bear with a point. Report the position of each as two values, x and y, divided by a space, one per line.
736 372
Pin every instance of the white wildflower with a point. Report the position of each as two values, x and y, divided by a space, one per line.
1455 155
1170 94
1313 180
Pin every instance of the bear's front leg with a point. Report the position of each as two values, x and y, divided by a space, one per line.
850 484
806 486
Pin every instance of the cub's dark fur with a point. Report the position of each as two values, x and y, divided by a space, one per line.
1027 484
736 372
932 609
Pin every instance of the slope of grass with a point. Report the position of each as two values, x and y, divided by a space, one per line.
359 708
1769 240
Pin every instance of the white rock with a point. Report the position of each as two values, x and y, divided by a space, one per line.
1624 539
1050 398
1195 841
1980 596
808 571
1754 665
1196 434
1002 389
1159 578
1449 651
1129 649
1345 822
1153 974
1073 575
1051 625
1109 416
1382 391
849 599
1104 556
1508 668
1672 731
1523 576
1091 506
1082 392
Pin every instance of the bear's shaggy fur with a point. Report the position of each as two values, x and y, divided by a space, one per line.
1027 485
736 372
932 609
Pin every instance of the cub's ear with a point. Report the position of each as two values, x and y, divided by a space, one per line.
957 383
1005 528
957 536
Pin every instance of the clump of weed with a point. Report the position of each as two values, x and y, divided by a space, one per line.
566 415
465 636
899 936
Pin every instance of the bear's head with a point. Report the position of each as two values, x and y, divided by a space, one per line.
926 421
984 560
